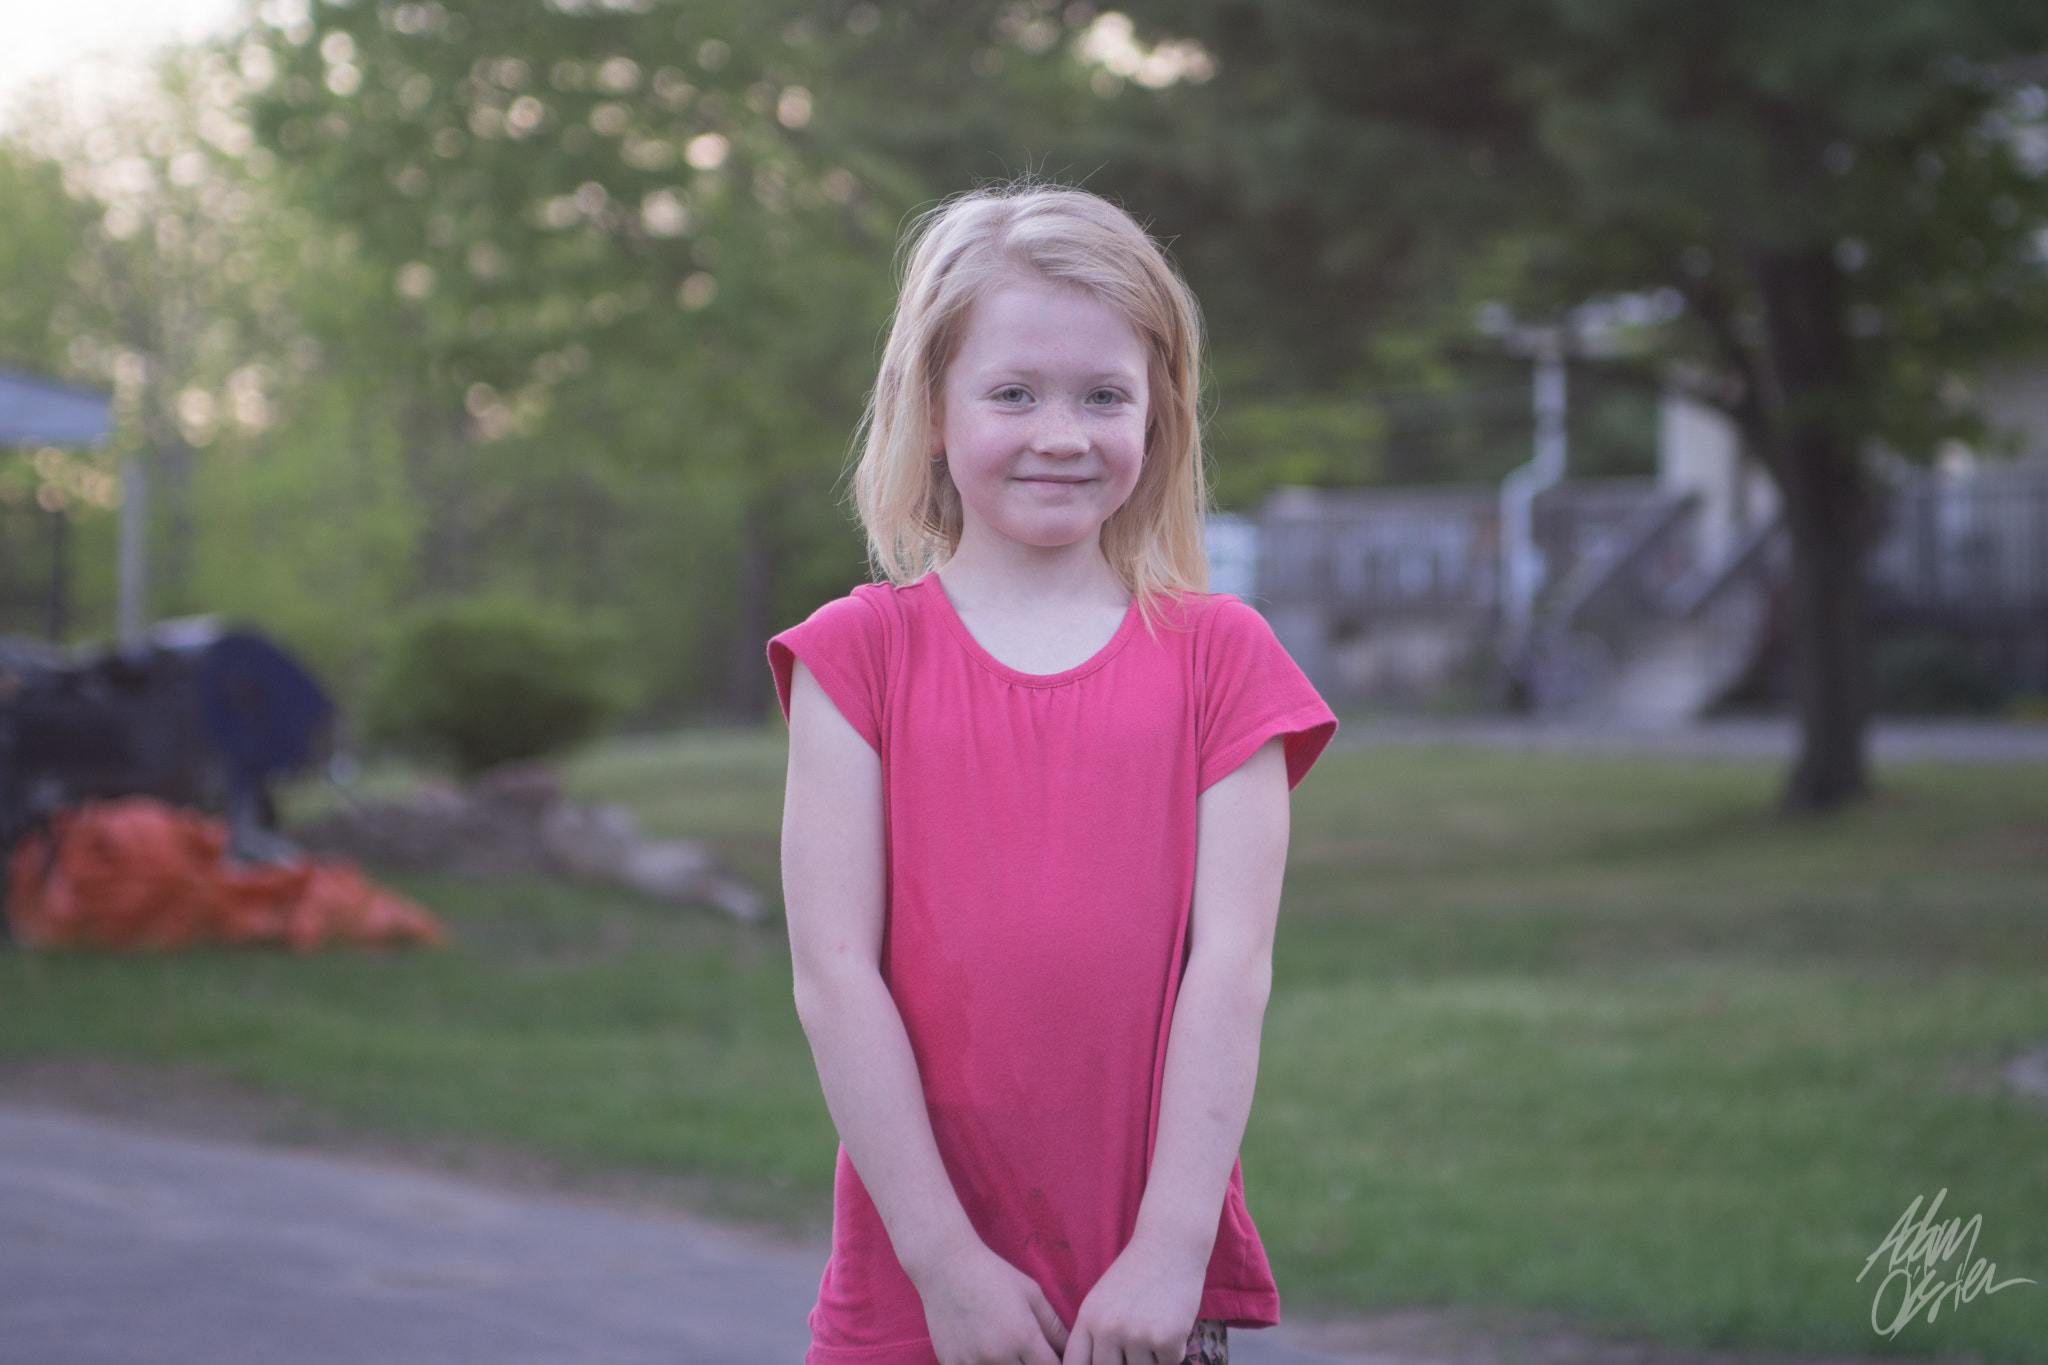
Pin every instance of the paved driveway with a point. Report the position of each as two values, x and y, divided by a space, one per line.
123 1247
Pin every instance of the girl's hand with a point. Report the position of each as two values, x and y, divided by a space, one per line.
1141 1310
982 1310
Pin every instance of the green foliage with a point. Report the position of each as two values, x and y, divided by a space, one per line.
37 245
1256 447
1553 152
43 224
580 301
488 680
1842 203
618 259
1926 674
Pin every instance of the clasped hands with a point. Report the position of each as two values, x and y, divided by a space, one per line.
982 1310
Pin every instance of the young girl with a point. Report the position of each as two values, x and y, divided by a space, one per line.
1035 823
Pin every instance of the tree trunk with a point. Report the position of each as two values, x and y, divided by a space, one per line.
59 621
174 470
436 452
1813 453
1825 505
169 463
746 690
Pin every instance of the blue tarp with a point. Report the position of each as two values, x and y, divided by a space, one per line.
36 411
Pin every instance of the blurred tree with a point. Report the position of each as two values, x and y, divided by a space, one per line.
619 242
1300 391
165 286
175 274
1847 196
43 225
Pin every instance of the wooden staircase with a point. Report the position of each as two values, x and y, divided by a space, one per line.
1646 630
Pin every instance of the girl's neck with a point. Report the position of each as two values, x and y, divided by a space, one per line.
1000 576
1037 613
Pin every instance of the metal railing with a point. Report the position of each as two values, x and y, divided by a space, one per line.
1393 550
1969 550
1630 576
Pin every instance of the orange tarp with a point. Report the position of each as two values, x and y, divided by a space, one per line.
137 873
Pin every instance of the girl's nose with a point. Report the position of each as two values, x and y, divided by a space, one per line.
1062 432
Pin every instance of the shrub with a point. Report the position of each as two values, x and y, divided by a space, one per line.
486 680
1931 675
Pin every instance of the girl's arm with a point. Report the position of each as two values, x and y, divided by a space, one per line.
1144 1305
979 1307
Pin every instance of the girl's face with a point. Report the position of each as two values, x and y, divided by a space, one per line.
1042 415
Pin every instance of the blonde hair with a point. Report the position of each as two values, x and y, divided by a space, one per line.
957 253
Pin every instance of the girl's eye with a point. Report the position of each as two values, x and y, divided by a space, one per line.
1013 394
1105 397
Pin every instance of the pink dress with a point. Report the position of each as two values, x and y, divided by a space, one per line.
1040 861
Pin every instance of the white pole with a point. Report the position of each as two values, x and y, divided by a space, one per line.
1522 567
133 585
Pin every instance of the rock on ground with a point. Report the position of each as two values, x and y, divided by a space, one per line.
515 821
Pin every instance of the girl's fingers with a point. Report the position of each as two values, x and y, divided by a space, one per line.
1099 1352
1085 1348
1048 1321
1042 1351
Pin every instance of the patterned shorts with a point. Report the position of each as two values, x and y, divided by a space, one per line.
1208 1344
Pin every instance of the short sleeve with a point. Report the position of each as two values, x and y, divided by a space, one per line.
1251 691
845 645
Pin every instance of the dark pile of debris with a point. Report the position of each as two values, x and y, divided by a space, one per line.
514 820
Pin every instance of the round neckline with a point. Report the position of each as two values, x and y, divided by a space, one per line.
980 655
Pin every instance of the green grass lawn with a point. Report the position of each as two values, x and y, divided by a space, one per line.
1592 1035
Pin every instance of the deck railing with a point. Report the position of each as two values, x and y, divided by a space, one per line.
1969 551
1626 565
